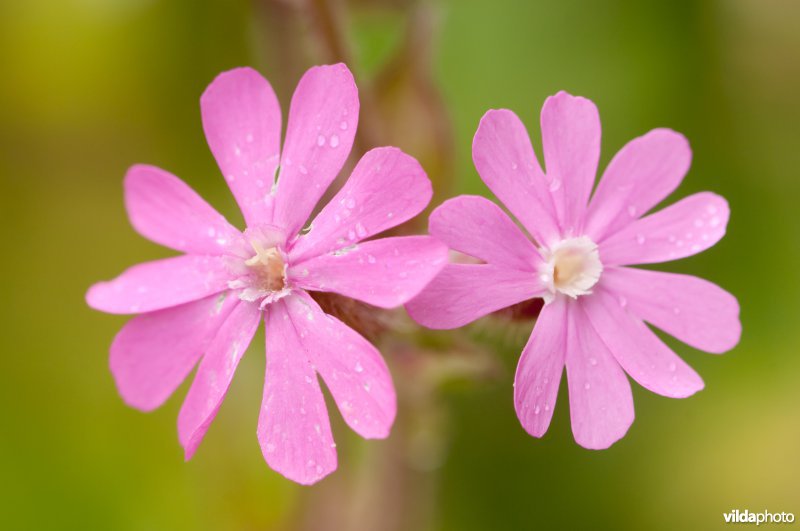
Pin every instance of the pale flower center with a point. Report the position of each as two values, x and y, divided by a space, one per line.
267 267
262 277
572 267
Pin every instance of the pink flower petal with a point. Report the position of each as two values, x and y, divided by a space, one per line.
293 426
387 272
476 226
638 350
242 123
166 210
462 293
600 398
214 375
154 352
160 284
539 369
571 145
351 366
505 160
322 124
687 227
386 188
689 308
645 171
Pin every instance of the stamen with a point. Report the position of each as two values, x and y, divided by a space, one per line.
572 267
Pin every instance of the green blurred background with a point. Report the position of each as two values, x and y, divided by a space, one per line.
90 87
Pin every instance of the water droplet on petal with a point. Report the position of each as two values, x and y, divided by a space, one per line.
334 141
343 126
358 367
640 239
554 185
320 140
360 230
632 211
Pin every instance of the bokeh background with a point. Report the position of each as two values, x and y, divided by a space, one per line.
89 87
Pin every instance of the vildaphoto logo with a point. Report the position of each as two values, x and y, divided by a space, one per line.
746 517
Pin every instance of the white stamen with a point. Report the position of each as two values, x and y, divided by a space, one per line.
572 267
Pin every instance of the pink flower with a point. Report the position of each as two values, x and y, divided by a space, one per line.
206 304
577 260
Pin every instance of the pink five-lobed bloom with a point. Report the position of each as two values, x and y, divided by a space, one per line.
205 305
577 258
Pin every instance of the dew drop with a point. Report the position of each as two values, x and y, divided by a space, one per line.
632 211
672 367
554 185
640 239
334 141
714 221
211 232
343 126
711 209
320 140
351 203
587 385
303 170
536 410
370 259
358 367
622 302
360 230
514 166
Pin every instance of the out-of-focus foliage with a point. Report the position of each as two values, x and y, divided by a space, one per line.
92 86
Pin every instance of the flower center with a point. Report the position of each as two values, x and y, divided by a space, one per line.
572 267
262 276
267 268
